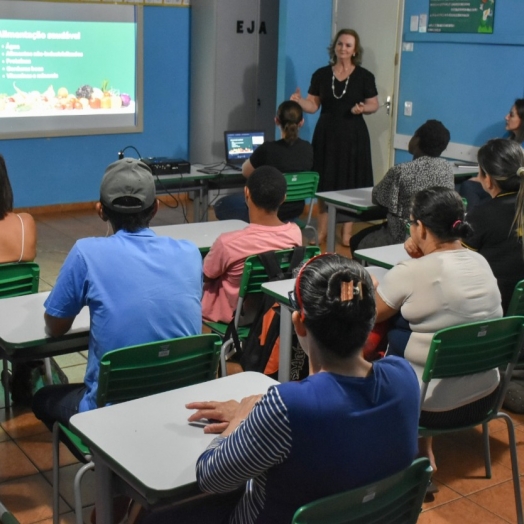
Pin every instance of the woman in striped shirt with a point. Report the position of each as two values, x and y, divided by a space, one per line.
349 423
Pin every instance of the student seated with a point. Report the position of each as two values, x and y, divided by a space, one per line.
17 230
290 154
443 285
402 181
497 222
139 287
472 189
321 436
223 266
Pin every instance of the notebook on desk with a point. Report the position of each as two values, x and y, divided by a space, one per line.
239 146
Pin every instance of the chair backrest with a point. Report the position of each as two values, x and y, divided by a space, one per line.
394 500
516 305
137 371
474 348
18 278
301 185
6 517
255 275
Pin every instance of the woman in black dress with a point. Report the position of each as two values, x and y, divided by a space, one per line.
344 91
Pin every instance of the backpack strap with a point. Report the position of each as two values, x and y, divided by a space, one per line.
297 258
271 264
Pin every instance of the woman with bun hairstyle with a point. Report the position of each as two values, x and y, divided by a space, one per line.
497 224
443 285
290 154
323 435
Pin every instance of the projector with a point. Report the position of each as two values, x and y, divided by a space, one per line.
162 165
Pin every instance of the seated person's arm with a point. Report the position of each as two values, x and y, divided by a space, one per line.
56 327
383 310
387 189
247 168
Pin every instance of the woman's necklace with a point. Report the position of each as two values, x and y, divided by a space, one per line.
333 86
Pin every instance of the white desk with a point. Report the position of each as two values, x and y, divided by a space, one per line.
149 444
203 234
461 173
23 336
356 202
385 256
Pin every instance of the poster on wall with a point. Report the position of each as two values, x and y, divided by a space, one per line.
461 16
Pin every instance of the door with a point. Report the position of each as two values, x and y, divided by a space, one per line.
378 23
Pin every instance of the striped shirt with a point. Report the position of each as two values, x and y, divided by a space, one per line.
261 441
310 439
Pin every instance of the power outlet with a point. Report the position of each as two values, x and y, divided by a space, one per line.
408 108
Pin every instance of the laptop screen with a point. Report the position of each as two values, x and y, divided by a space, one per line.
241 144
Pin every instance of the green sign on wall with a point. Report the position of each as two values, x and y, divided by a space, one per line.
461 16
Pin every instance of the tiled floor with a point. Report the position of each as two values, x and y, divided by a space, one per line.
465 496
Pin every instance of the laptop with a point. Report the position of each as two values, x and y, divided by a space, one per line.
240 146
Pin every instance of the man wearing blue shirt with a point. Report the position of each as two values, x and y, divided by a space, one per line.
139 287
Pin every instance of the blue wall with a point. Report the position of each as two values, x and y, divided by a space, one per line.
305 34
45 171
467 81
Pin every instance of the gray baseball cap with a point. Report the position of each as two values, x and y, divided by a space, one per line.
127 177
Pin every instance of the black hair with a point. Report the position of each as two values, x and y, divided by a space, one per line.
503 161
433 138
6 191
267 188
289 115
355 60
131 222
442 211
519 134
340 327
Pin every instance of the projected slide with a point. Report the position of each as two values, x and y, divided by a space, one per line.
69 69
52 68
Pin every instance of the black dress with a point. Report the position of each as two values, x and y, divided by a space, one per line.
342 151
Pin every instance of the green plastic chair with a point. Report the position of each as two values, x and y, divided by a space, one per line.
6 517
253 276
135 372
301 186
17 279
473 348
394 500
516 304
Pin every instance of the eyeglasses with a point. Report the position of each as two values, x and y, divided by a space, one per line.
410 223
293 301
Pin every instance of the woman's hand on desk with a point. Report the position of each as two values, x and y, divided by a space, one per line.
225 416
221 413
412 249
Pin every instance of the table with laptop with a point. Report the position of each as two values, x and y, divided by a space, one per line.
149 444
238 147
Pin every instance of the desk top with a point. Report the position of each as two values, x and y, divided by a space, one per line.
385 256
149 443
23 322
203 234
465 172
196 174
358 199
